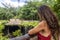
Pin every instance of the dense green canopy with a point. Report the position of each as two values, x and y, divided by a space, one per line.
29 11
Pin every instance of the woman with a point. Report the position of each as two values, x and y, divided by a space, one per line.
47 28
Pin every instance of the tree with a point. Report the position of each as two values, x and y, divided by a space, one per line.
29 11
7 12
56 8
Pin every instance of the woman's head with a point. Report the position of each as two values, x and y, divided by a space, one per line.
46 14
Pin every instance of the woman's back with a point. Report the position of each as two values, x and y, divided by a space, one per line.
44 34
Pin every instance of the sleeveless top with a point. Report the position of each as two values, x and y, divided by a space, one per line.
41 37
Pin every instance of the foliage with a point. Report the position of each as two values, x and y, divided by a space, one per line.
29 23
57 8
3 37
17 33
2 23
29 11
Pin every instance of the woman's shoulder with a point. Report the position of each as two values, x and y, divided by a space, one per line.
42 23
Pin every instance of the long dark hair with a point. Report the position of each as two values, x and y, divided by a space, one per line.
50 18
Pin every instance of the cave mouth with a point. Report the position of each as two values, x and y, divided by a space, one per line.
9 29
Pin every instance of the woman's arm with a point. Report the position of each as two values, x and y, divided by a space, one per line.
36 29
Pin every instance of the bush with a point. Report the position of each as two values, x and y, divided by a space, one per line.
2 23
3 37
29 23
17 33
